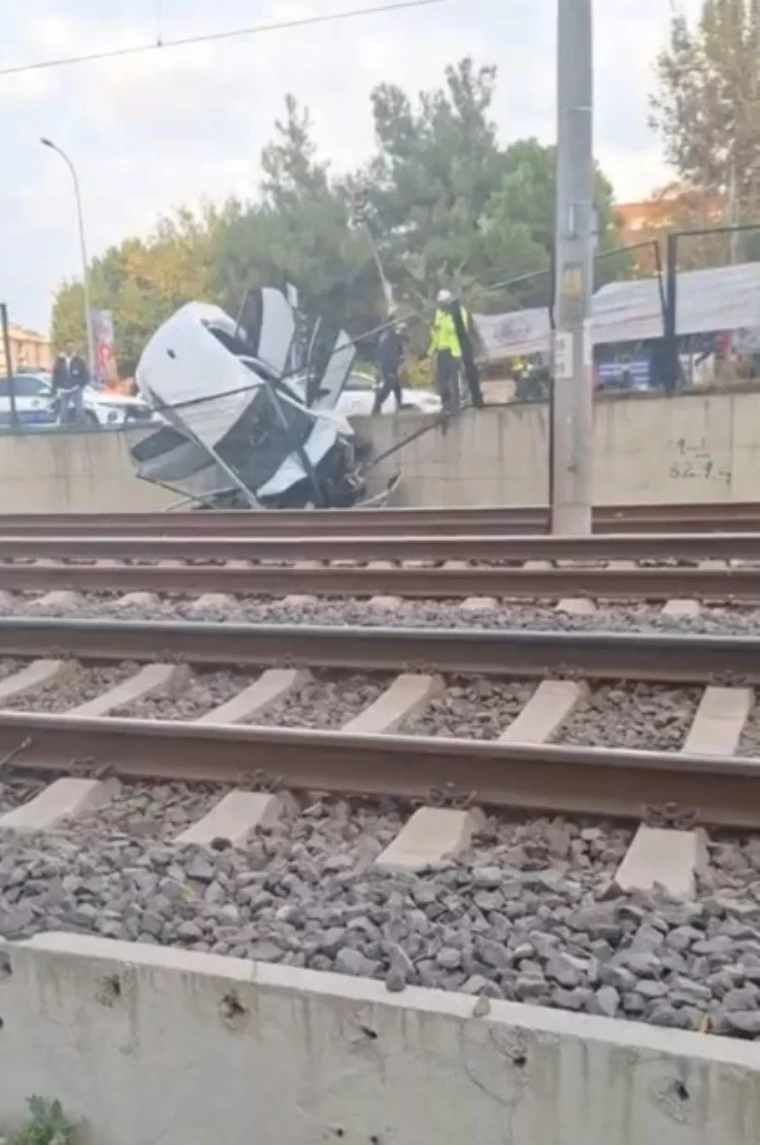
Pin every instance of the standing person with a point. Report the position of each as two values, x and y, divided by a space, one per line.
70 376
446 351
390 355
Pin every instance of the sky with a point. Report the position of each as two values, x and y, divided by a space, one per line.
149 132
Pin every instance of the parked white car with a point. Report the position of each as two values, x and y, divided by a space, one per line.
36 404
103 408
358 398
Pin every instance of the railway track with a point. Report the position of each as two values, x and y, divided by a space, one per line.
320 798
452 581
506 772
359 550
735 516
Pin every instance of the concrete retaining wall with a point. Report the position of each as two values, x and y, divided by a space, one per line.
146 1045
690 448
86 472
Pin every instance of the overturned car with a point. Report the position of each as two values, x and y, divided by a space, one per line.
245 423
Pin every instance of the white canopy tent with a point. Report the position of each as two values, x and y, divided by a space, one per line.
720 299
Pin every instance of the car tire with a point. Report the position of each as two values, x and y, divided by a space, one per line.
90 420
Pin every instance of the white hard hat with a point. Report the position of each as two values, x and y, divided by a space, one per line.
444 296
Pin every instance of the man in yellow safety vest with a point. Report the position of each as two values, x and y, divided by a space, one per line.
446 351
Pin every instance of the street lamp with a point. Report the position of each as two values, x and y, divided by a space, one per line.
83 249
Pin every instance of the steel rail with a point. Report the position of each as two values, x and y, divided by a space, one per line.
646 583
631 546
718 791
641 656
738 516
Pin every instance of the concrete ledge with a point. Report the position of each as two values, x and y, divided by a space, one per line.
185 1045
431 835
666 858
553 702
170 679
408 696
719 722
63 799
235 817
273 685
38 674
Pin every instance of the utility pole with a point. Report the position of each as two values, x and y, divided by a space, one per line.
572 422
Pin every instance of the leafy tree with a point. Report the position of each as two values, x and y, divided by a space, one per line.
299 231
447 205
437 167
451 207
143 282
707 105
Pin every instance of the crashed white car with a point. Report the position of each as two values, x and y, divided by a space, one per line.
242 424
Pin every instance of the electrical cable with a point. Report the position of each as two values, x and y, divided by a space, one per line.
207 37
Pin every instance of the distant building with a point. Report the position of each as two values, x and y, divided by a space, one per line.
30 350
674 208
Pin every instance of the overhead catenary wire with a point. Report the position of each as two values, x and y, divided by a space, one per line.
161 44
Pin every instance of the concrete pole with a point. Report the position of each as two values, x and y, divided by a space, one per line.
83 253
571 494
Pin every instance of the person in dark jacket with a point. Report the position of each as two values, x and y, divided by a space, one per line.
70 376
390 355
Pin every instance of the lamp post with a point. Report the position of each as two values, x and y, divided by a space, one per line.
83 250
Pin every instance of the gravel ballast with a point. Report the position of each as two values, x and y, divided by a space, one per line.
77 686
636 716
749 744
327 701
204 692
497 925
472 708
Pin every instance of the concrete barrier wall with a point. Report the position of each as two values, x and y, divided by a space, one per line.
73 473
688 448
143 1045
